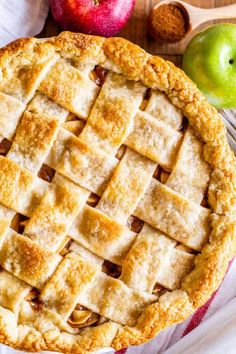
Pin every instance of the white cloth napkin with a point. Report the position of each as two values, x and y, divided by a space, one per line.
218 340
21 18
211 330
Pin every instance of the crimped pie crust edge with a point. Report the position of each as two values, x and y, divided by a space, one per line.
211 264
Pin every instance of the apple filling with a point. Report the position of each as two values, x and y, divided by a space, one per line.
145 100
184 125
161 175
46 173
135 224
184 248
120 152
5 146
82 317
204 202
64 248
98 75
158 290
34 300
111 269
93 200
18 223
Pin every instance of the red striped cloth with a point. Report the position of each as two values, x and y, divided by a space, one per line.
168 337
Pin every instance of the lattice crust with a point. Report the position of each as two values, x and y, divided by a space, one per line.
180 218
112 116
154 139
152 259
76 281
119 200
20 191
79 158
33 140
51 220
43 105
24 72
161 108
90 257
26 260
39 317
190 175
64 84
102 235
10 113
109 185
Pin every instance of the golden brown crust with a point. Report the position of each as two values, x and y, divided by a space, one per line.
213 261
172 308
210 266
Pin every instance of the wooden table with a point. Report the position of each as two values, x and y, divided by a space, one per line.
136 29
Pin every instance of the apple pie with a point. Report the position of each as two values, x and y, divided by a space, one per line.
117 195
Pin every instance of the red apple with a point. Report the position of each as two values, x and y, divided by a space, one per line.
98 17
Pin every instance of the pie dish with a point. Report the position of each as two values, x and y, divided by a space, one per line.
117 195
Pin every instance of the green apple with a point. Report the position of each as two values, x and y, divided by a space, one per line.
210 61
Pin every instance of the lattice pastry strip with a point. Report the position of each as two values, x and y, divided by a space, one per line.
190 175
76 281
180 265
71 278
6 216
111 119
33 197
152 259
80 162
161 108
101 235
39 128
19 190
33 140
178 217
11 113
21 78
13 291
26 260
148 255
51 220
15 183
86 166
154 139
43 105
85 254
11 110
70 88
120 199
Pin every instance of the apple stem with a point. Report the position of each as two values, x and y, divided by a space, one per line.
96 2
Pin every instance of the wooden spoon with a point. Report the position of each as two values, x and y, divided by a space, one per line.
195 16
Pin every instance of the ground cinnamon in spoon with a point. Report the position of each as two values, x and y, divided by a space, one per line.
168 23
